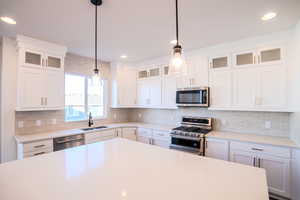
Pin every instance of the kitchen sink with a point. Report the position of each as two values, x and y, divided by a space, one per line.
93 128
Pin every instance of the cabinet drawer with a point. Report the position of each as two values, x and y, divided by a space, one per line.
99 139
161 134
37 153
144 132
34 146
264 149
100 134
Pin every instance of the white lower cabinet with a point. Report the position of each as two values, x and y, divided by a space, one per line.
161 138
36 148
129 133
275 160
154 137
99 136
215 148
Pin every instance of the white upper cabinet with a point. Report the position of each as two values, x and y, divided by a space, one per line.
256 80
124 86
244 59
40 75
150 72
220 88
197 73
245 87
149 92
272 90
220 61
271 55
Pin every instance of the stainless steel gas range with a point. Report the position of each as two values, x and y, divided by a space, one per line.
190 136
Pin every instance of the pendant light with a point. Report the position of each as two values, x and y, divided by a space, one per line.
96 77
177 63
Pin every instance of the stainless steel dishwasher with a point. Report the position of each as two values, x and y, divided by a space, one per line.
68 142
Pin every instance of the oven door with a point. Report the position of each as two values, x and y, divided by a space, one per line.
193 97
186 144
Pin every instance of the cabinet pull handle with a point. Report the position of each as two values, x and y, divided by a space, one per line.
254 162
39 146
206 145
40 153
259 162
256 149
46 101
42 101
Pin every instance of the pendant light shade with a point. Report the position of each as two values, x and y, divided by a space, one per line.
177 62
96 77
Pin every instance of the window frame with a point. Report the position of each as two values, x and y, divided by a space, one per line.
105 98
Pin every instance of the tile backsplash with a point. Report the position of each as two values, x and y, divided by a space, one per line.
259 123
32 122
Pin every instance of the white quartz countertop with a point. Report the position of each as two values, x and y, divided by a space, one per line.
269 140
61 133
121 169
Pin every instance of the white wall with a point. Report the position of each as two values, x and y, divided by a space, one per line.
8 99
294 78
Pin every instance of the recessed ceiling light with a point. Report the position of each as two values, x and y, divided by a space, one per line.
173 42
123 56
268 16
8 20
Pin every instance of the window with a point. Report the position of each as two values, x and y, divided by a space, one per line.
83 96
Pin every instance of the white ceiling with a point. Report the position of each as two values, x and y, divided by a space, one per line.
141 28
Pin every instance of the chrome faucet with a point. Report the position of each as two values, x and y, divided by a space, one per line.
91 121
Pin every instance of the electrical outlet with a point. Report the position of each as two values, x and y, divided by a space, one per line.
20 124
38 122
140 115
268 124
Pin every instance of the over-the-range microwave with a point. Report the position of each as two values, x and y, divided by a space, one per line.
193 97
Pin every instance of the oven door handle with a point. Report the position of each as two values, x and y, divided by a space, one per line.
187 138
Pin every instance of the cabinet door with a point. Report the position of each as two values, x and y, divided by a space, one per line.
220 84
129 133
127 87
169 92
155 87
272 89
144 139
242 157
54 90
245 83
143 93
30 89
270 55
54 62
161 142
31 58
244 59
278 174
216 149
197 72
219 62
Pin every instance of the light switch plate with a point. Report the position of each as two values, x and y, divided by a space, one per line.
20 124
268 124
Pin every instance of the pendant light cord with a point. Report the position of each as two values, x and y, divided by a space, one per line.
96 39
177 37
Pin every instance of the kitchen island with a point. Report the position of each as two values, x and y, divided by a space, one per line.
123 169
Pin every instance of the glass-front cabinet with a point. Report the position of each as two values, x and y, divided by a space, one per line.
54 62
36 59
